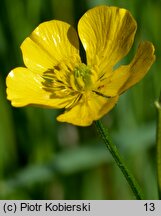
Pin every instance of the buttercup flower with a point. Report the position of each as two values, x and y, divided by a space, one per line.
55 76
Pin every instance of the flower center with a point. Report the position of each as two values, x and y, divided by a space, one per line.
69 79
83 78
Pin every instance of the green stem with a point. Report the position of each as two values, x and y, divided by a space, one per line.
158 142
119 161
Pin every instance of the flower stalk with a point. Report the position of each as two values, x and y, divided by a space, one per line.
118 159
158 143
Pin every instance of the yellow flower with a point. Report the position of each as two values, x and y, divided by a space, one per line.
55 76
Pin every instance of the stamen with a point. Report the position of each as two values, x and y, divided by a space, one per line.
73 102
100 94
53 84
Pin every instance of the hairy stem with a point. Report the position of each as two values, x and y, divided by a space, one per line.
118 159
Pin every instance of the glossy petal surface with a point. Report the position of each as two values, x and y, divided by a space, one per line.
128 75
91 107
107 34
25 88
50 43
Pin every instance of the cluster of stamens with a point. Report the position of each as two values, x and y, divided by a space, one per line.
63 80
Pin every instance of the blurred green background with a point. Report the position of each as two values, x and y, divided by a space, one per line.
41 158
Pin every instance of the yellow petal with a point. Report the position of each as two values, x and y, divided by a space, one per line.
50 43
107 34
91 107
25 87
126 76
